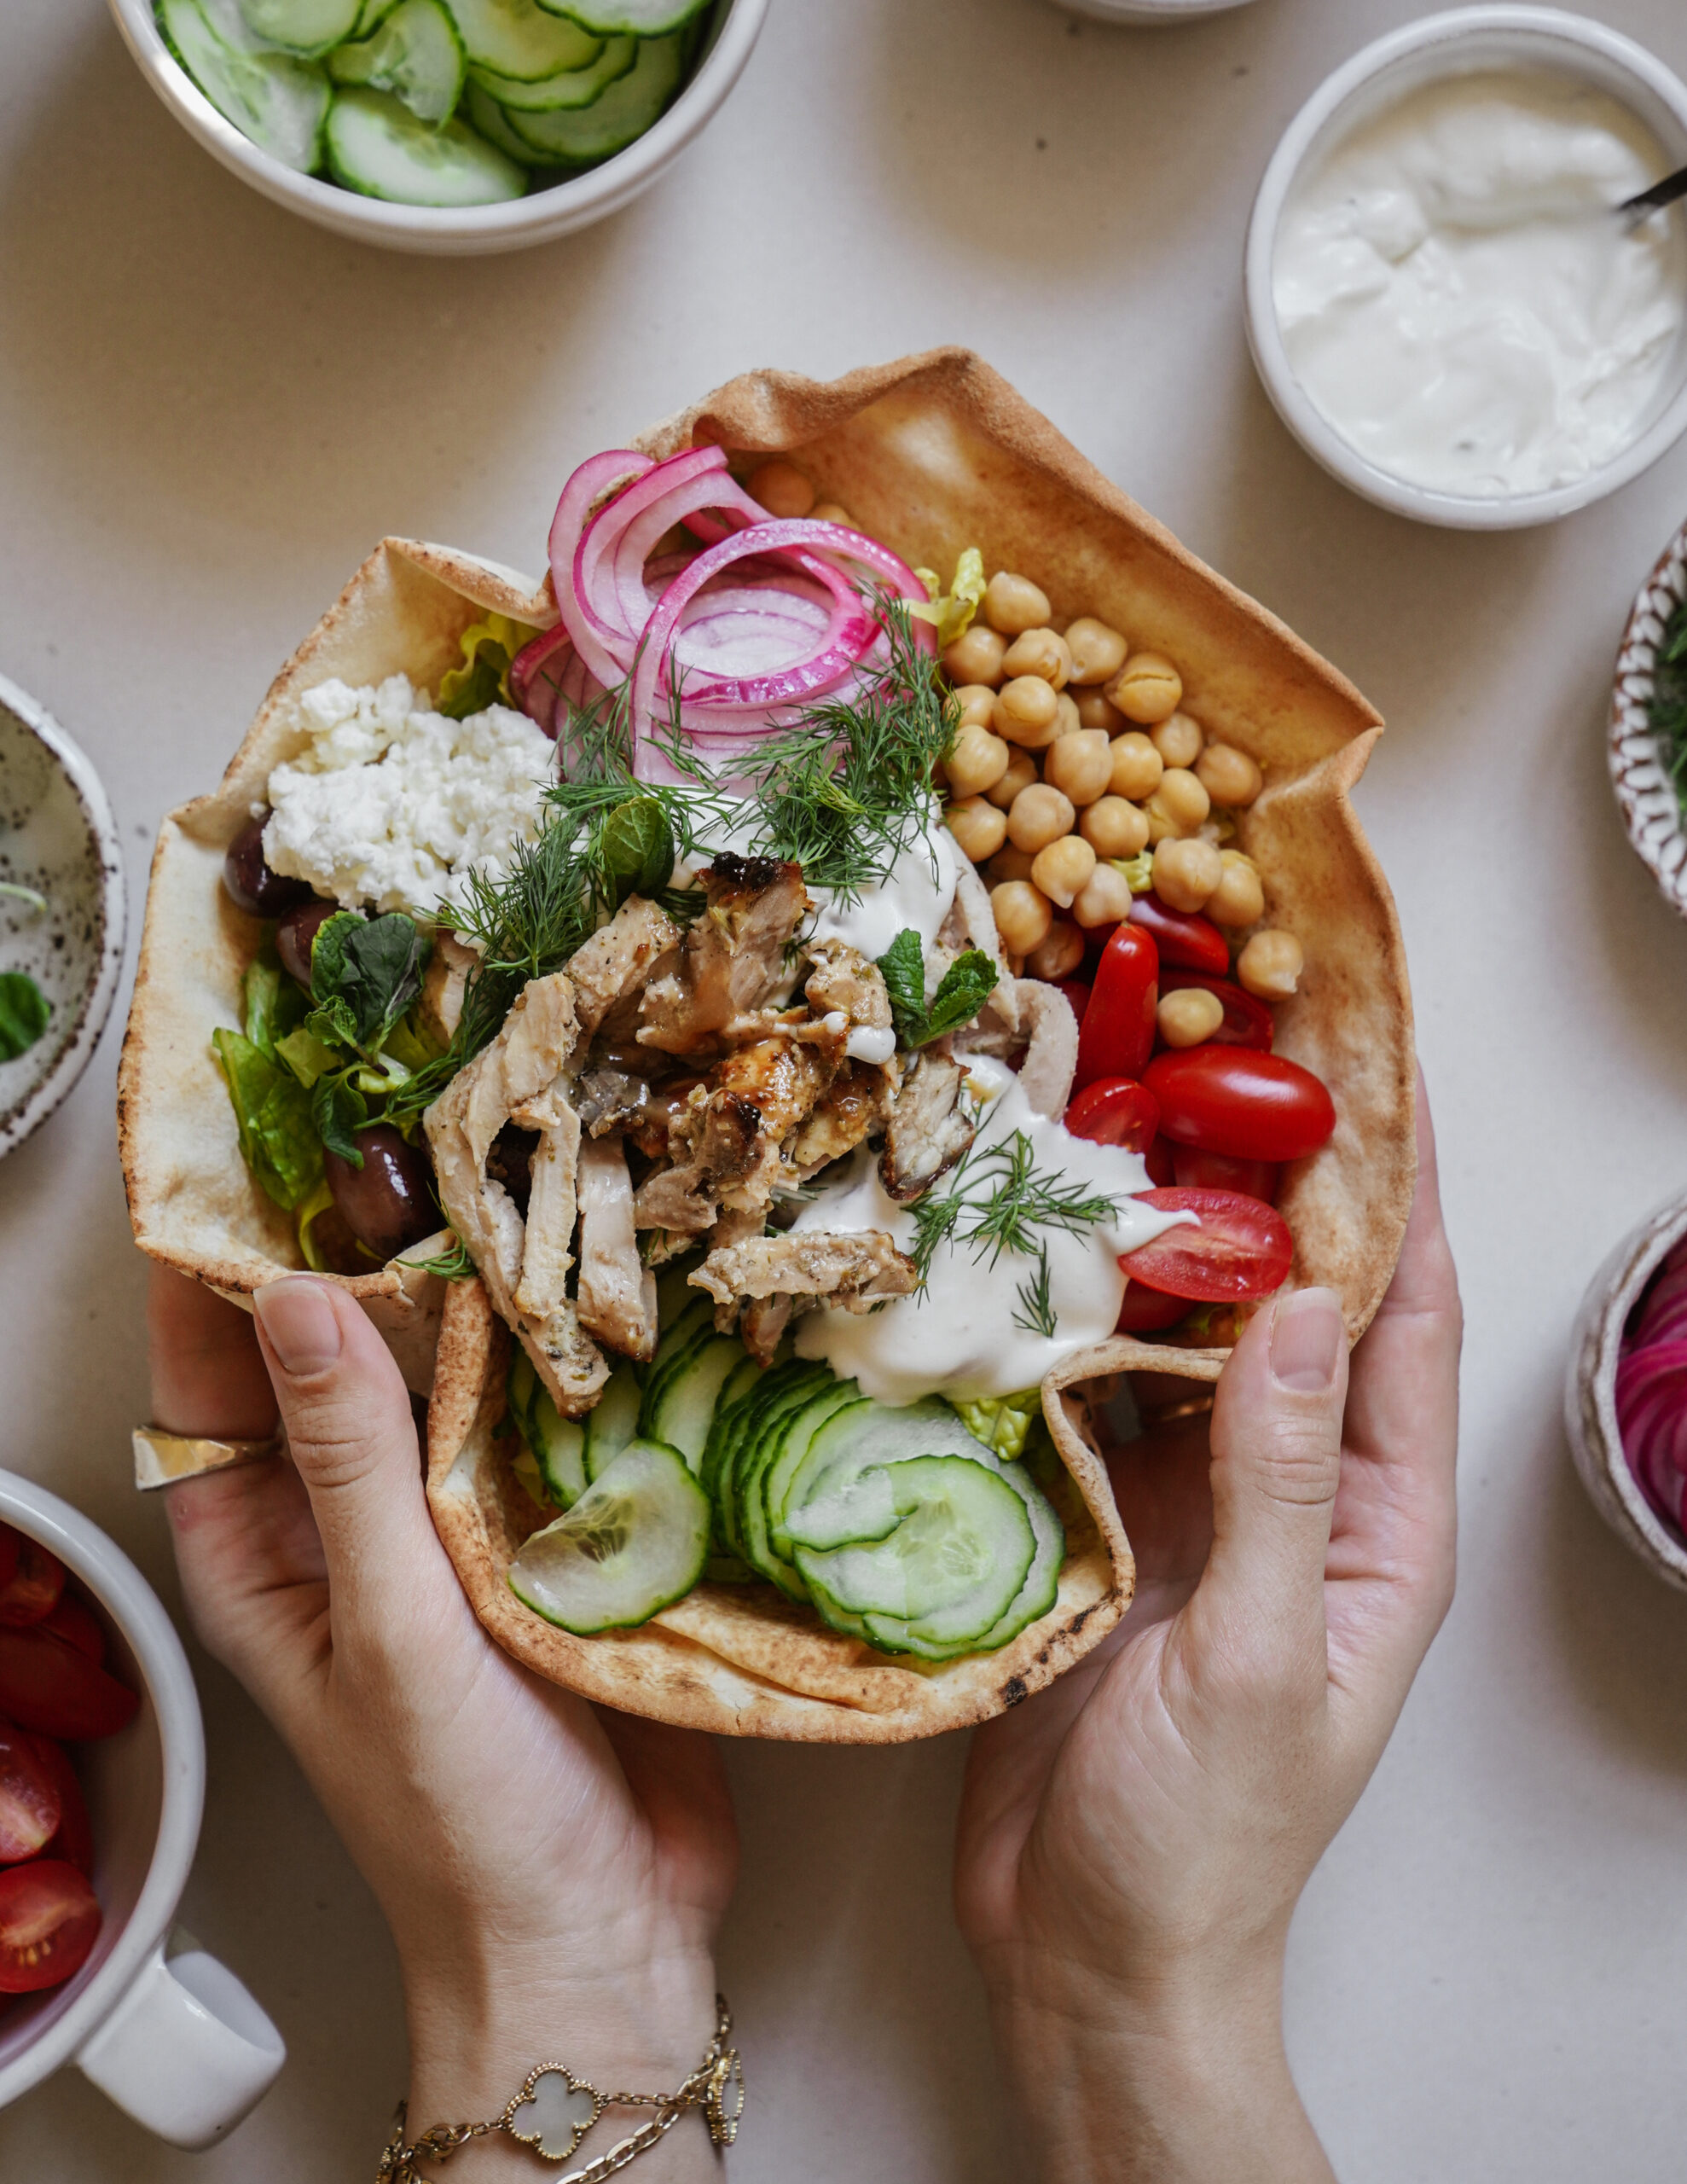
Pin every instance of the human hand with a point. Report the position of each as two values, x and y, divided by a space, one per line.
1133 1843
554 1876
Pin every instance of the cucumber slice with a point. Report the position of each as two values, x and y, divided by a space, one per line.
377 146
780 1448
680 1340
635 1541
416 55
558 1446
513 38
624 113
485 114
851 1445
642 17
571 87
738 1382
1037 1595
950 1569
787 1387
532 1478
521 1385
371 14
614 1423
308 28
682 1414
276 102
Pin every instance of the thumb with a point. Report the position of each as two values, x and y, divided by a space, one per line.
1276 1461
346 1412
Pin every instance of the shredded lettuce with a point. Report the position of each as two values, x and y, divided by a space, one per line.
484 678
316 1204
951 613
272 1112
1000 1422
1138 870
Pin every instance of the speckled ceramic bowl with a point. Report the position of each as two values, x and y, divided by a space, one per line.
1646 796
1590 1392
56 837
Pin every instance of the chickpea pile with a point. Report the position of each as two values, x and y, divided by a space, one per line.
1072 753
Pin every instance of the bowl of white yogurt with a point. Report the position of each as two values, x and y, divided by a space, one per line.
1443 304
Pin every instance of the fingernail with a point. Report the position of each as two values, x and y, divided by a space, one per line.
300 1325
1305 1341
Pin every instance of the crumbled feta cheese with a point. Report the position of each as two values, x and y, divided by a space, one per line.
392 805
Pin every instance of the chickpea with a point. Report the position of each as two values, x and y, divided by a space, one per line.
1013 604
1067 721
1178 740
782 489
1188 1016
1146 688
1113 827
1097 652
1186 873
1038 815
975 657
977 701
1022 771
1097 711
1229 776
1178 806
979 826
1010 863
1137 766
1064 869
1058 955
1239 898
832 512
978 762
1023 916
1270 965
1106 900
1082 766
1026 711
1039 652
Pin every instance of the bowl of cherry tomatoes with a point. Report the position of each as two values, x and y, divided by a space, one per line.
101 1784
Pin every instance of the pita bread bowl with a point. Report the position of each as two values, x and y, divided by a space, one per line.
921 464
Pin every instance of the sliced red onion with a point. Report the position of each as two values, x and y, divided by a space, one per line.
535 673
1651 1406
597 476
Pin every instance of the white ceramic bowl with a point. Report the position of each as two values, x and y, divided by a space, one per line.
541 218
1438 46
173 2038
1646 796
1589 1393
1151 12
57 836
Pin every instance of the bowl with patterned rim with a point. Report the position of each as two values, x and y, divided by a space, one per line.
1646 796
62 917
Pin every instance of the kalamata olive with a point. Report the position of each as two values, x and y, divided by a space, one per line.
252 886
387 1204
296 935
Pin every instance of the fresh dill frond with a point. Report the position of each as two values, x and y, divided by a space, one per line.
452 1264
997 1201
1667 708
1036 1305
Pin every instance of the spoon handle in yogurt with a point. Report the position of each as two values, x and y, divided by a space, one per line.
1655 199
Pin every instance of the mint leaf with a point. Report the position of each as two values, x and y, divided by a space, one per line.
902 967
24 1011
364 974
337 1109
272 1113
967 984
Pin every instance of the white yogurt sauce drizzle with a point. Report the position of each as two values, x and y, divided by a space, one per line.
1458 298
958 1335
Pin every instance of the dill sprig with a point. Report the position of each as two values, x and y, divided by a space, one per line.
452 1264
998 1200
1667 709
1036 1304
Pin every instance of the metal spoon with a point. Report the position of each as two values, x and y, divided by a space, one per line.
1655 199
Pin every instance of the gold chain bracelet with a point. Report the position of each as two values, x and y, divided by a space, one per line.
564 2108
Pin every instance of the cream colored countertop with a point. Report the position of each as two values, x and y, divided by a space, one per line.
210 411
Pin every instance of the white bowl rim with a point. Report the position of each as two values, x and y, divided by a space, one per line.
538 218
1460 511
90 794
139 1614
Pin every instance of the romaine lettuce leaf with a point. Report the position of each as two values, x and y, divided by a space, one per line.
272 1112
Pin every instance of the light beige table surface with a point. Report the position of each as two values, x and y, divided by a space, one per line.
210 411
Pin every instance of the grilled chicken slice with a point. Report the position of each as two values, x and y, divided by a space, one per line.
854 1103
617 1297
972 923
615 964
843 980
715 1145
930 1127
516 1079
733 959
443 984
856 1271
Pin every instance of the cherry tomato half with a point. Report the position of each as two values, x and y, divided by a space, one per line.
1148 1312
74 1840
1193 944
75 1622
1115 1111
33 1589
1160 1162
1217 1171
1247 1022
48 1918
1231 1100
1117 1035
30 1810
47 1685
1242 1248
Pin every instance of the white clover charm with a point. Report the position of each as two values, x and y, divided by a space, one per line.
554 2113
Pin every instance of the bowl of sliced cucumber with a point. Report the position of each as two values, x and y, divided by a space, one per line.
445 126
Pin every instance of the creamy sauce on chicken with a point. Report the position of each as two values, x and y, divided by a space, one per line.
959 1334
